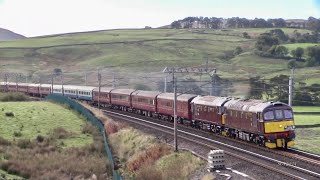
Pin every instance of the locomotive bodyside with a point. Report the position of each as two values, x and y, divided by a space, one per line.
255 120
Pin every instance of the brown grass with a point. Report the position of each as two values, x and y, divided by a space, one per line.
45 159
149 172
147 157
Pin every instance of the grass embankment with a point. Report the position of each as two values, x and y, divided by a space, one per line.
42 140
142 156
306 108
308 136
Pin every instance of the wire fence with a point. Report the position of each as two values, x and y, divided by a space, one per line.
93 120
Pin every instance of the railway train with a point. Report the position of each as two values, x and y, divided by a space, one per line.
269 124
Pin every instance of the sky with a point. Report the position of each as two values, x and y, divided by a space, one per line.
43 17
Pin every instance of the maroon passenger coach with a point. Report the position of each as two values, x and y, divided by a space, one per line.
105 95
165 105
145 102
121 98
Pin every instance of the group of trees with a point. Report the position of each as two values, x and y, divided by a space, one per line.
269 45
237 22
277 89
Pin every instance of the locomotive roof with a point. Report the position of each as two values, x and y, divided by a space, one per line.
123 91
210 100
251 105
103 89
150 94
180 97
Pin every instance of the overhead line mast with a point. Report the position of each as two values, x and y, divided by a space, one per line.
173 71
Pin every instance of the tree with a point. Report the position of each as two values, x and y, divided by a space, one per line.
265 41
292 64
314 52
57 72
278 50
246 35
280 87
281 51
297 53
238 50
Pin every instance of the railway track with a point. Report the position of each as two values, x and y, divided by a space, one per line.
281 164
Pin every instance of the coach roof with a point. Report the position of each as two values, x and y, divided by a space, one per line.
123 91
210 100
180 97
149 94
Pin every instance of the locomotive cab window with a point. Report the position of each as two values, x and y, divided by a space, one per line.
288 114
268 115
279 114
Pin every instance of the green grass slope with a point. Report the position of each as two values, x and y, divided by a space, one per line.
142 52
40 118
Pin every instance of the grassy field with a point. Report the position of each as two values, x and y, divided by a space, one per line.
143 53
40 118
306 108
302 45
308 138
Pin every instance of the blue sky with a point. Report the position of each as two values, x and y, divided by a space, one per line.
41 17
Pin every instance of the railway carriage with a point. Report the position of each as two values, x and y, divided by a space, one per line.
45 89
70 91
207 112
3 86
57 89
121 99
23 87
33 89
85 92
105 95
12 87
165 106
265 123
144 102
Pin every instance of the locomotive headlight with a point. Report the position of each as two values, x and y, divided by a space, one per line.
289 127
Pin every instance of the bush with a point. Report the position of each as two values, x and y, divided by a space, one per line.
149 172
4 142
111 127
17 134
9 114
24 143
148 157
40 138
13 96
88 128
60 133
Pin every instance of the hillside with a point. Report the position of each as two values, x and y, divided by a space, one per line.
139 56
6 35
